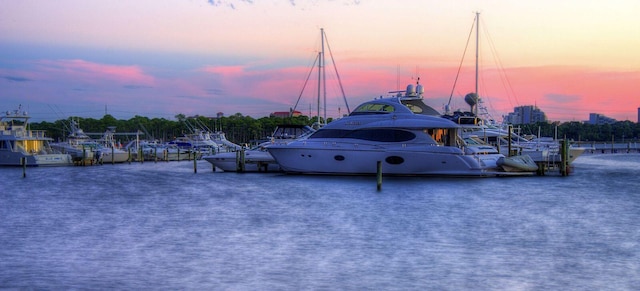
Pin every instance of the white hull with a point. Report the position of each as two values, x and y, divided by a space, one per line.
53 160
363 161
76 152
117 156
521 163
13 159
255 161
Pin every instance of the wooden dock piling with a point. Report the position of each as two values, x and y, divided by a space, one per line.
564 157
379 175
240 161
195 166
23 162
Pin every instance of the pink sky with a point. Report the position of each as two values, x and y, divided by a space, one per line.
162 58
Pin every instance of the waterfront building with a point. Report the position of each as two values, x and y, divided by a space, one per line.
527 114
596 118
285 114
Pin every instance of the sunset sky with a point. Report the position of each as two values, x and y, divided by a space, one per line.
167 57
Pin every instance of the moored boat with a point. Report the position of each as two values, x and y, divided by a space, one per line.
402 133
78 144
19 144
107 151
258 159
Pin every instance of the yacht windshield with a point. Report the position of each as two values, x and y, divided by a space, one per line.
373 108
374 134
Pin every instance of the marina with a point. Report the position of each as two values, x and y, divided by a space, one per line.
160 226
401 193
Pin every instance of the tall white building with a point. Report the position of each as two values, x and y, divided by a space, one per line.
526 115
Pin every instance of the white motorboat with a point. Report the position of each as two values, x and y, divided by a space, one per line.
78 144
202 140
405 135
541 150
18 143
107 151
509 163
258 159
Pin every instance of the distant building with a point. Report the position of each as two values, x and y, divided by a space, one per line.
638 114
595 118
526 115
285 114
219 114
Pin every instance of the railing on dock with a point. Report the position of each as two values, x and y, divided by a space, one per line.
609 147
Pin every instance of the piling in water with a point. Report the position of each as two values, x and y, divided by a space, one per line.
195 166
240 161
564 158
379 175
23 162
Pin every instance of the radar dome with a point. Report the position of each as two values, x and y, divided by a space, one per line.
411 90
471 99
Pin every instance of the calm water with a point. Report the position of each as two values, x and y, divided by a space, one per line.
160 226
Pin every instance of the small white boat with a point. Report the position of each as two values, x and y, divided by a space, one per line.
107 151
258 159
78 144
519 163
19 144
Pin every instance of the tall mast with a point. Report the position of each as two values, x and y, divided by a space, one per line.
477 49
324 77
322 80
322 85
319 85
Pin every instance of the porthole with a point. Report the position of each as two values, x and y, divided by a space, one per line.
394 160
339 158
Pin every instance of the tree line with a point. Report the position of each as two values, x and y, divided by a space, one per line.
621 131
237 128
245 129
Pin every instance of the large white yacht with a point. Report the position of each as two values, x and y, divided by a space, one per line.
18 143
407 136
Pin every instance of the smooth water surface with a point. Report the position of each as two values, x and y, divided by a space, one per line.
162 226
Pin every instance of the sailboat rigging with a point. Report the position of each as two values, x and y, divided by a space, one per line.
322 80
471 98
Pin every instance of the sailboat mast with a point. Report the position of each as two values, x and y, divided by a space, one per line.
321 84
477 50
324 78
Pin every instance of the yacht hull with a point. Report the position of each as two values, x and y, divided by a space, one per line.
13 159
361 161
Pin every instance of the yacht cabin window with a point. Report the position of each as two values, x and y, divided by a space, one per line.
443 136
